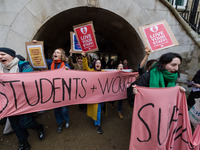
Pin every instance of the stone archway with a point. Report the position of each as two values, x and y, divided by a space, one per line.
114 34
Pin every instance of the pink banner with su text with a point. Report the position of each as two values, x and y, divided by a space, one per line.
161 122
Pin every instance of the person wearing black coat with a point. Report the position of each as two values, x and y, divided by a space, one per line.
195 93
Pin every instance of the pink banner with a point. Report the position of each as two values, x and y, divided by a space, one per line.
161 122
22 93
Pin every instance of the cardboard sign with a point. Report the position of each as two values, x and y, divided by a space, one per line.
158 36
35 53
22 93
86 37
161 122
75 46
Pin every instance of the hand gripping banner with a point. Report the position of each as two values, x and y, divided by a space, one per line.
161 122
22 93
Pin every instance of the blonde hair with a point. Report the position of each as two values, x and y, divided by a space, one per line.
63 56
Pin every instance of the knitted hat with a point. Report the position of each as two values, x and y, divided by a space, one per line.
8 51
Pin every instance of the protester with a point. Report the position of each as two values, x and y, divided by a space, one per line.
94 110
111 64
146 65
11 64
120 68
103 62
79 62
195 93
143 67
162 74
61 113
125 64
78 66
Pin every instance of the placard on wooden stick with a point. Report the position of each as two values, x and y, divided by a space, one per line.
158 36
35 53
75 46
86 37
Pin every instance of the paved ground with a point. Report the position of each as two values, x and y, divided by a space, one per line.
81 135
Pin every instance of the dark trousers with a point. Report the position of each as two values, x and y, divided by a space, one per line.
21 123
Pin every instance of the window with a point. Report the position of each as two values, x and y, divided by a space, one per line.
180 4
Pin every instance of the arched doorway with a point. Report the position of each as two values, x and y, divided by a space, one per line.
115 36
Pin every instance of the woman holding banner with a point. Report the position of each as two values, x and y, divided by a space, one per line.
61 113
120 68
162 74
11 64
94 110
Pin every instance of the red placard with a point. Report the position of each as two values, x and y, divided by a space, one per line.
86 37
158 36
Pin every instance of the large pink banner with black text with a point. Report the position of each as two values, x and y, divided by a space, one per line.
160 121
22 93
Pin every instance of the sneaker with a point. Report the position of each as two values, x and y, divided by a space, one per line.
59 129
24 146
99 130
67 125
120 115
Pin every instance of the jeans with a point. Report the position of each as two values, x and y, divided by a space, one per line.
98 122
61 114
120 106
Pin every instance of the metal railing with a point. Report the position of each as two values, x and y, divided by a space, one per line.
193 21
190 15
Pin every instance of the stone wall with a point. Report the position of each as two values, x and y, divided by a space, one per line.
20 20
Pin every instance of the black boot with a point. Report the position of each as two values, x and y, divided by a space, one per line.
24 146
41 132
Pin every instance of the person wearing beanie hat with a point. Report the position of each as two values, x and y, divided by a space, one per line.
20 123
7 56
8 51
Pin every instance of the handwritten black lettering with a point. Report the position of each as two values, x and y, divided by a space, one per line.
42 83
26 96
145 124
64 84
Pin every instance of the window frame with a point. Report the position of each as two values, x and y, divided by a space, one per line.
179 7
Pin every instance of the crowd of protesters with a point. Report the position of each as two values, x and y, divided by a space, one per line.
12 63
153 73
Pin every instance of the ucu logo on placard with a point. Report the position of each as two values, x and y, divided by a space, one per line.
154 29
195 111
84 30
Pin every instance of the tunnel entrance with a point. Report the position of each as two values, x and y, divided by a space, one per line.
115 36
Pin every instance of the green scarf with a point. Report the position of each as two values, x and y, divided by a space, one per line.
158 78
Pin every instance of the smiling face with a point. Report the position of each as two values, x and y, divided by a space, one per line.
98 65
5 58
57 54
173 65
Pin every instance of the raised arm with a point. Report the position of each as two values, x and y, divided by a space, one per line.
144 60
85 63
